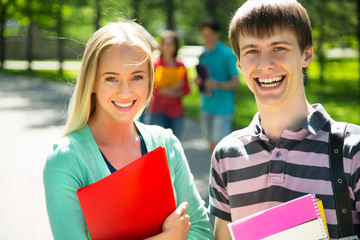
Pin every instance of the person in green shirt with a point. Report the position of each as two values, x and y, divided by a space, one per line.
102 135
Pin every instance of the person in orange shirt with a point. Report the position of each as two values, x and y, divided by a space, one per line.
171 84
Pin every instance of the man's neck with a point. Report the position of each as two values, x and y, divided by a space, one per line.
212 47
276 119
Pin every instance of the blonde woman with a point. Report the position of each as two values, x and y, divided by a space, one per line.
101 135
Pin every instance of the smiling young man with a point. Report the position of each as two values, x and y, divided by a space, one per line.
283 153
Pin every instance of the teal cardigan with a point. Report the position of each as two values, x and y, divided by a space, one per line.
75 161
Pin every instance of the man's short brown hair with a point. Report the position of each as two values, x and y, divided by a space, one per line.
262 18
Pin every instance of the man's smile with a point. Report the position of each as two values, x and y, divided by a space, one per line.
270 82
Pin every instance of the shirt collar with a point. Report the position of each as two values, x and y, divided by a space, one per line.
215 48
313 123
316 120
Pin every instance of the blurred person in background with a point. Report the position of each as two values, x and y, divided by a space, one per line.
171 85
217 97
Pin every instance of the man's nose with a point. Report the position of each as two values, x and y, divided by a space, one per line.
266 61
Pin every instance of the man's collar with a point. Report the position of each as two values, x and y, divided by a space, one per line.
316 120
313 123
215 47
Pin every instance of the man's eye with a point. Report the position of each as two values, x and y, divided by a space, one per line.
278 49
137 78
111 79
252 51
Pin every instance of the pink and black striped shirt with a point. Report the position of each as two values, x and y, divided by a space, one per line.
249 172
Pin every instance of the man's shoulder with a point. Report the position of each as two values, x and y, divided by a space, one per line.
234 145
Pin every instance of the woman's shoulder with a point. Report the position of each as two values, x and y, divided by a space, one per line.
179 63
155 136
67 148
158 61
153 131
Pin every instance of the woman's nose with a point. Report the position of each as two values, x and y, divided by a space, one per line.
124 89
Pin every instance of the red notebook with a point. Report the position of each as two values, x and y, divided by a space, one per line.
131 203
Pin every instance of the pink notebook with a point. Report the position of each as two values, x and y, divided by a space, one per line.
276 219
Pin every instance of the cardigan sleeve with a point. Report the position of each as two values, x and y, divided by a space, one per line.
62 177
186 190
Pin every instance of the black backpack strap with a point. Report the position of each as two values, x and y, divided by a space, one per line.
340 188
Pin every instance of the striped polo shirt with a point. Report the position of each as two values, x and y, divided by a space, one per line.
250 172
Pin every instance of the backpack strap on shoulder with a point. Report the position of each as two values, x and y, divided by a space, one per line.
340 188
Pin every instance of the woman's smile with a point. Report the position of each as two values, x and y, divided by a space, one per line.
125 105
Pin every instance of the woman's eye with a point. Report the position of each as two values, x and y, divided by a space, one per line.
111 79
137 78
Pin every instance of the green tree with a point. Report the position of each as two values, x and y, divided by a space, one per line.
5 14
334 24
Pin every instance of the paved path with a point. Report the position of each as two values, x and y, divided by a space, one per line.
31 113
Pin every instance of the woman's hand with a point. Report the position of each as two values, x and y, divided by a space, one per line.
176 225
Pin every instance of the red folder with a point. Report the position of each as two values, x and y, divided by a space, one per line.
131 203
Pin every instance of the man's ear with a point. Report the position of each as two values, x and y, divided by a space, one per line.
308 56
239 66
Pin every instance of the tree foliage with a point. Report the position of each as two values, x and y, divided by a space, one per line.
334 22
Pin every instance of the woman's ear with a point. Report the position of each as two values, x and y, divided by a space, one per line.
308 56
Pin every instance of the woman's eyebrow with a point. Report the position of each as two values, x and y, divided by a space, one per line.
138 71
109 73
115 73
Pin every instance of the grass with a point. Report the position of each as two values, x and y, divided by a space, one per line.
340 94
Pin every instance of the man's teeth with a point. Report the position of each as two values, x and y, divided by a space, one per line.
123 105
270 82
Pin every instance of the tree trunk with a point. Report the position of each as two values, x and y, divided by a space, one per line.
136 9
59 34
97 14
29 43
321 57
170 14
211 6
321 54
2 29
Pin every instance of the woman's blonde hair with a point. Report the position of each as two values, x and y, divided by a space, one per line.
82 103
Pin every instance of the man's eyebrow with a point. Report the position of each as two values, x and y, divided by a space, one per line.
272 44
280 42
248 46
